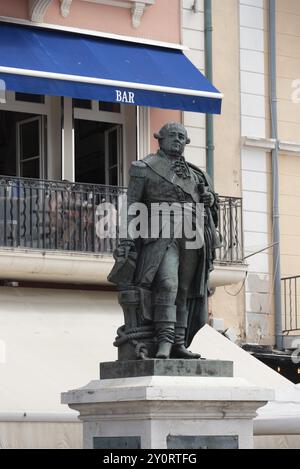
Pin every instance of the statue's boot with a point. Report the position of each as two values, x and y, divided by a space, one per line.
165 337
164 350
179 349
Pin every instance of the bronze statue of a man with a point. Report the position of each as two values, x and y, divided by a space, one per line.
165 301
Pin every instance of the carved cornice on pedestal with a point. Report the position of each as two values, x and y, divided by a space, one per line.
37 9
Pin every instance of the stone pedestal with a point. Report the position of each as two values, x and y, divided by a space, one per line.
167 404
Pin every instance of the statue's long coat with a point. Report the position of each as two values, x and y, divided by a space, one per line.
151 180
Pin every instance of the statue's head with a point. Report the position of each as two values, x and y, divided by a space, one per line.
172 139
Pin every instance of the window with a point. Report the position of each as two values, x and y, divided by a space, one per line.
29 147
98 145
82 103
22 148
99 141
113 155
109 107
102 106
98 152
23 134
30 98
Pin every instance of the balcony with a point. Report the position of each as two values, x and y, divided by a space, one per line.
291 311
49 231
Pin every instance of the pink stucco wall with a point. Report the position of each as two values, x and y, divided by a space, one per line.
118 20
14 8
159 117
160 21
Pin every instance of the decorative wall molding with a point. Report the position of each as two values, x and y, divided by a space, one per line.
121 3
292 148
18 264
259 142
65 6
137 7
37 9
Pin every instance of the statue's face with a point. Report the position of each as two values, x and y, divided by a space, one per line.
173 140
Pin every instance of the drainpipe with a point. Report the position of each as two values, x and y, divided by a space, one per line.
208 29
275 177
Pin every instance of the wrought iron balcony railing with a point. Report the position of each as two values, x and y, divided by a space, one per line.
231 231
42 214
291 304
54 215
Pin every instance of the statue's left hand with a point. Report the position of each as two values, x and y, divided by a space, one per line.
207 199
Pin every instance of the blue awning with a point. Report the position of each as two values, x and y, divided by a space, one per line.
59 63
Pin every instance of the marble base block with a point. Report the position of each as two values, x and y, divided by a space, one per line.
172 367
174 405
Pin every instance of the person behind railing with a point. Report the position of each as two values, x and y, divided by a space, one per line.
12 197
71 216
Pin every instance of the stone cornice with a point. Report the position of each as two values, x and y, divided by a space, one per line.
258 142
137 7
81 268
292 148
287 147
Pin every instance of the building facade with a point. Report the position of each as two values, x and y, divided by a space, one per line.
60 156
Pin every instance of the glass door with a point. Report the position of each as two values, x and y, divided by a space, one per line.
98 152
113 159
30 148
